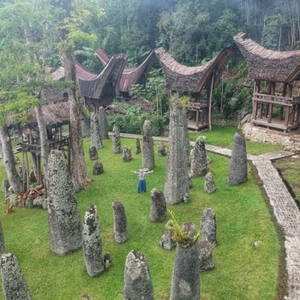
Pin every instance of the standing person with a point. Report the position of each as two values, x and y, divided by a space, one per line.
142 182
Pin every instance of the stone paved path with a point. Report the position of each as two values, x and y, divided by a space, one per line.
284 207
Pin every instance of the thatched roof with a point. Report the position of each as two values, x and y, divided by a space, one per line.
129 76
54 113
192 79
269 65
106 83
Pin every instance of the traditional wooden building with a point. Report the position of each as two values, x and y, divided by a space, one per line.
100 90
198 82
130 76
276 97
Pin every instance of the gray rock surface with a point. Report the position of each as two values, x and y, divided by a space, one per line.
14 285
137 278
238 161
158 210
96 140
198 158
177 178
209 183
98 168
166 241
148 146
91 243
120 223
127 156
186 279
137 146
117 148
93 153
208 226
63 215
206 261
103 124
161 151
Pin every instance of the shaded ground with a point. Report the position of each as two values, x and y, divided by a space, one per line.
289 169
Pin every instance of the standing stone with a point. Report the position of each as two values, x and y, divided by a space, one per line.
137 146
158 209
177 178
93 153
238 162
98 168
5 187
23 175
127 156
148 150
2 244
96 140
198 158
14 285
116 140
209 226
91 242
86 127
120 223
63 215
206 262
166 241
137 278
103 124
186 279
209 183
161 151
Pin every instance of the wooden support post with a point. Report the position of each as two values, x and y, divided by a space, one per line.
290 90
270 113
254 112
197 119
287 115
281 113
69 149
260 109
298 113
210 101
27 173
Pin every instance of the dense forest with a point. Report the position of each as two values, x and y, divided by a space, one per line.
191 30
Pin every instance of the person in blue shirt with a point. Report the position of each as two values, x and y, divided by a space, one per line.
142 188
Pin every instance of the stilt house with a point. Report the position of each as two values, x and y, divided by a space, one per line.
276 99
198 81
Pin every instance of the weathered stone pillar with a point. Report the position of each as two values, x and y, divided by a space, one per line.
63 215
137 146
148 150
161 151
208 226
177 178
120 223
116 140
13 283
98 168
206 261
96 140
2 243
158 209
185 280
209 183
238 162
86 127
137 278
91 242
103 124
198 158
93 153
166 240
127 156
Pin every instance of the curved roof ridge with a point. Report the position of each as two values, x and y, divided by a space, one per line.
192 79
83 73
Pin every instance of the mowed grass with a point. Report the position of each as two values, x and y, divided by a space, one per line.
241 270
222 136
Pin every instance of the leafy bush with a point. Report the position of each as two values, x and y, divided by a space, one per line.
134 124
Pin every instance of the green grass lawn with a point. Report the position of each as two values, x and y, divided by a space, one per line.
222 136
241 271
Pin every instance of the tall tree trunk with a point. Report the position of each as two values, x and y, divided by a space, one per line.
43 140
9 161
77 168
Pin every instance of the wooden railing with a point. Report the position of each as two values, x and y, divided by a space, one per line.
274 99
197 105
